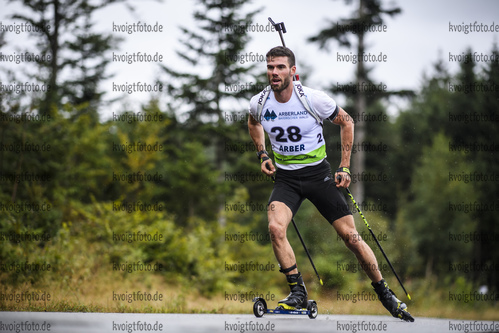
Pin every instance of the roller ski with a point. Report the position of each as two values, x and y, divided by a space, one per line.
396 307
296 303
260 308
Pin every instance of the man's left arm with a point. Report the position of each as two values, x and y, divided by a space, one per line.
346 124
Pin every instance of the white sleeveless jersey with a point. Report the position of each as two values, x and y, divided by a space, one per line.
295 135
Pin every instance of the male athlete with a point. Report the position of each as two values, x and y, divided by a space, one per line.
292 116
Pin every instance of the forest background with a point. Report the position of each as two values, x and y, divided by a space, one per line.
166 197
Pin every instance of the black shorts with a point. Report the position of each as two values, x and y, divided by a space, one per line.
315 183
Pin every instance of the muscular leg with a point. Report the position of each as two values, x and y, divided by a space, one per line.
345 227
280 216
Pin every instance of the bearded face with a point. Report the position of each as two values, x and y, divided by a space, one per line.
279 73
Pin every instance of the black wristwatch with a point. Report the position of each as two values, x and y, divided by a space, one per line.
260 153
344 169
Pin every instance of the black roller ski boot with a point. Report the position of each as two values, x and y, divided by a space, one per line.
297 299
396 307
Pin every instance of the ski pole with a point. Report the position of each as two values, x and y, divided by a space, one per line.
377 242
306 250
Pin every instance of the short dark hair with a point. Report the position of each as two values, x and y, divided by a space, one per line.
281 51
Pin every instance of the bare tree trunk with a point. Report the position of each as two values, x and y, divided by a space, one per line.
358 158
53 39
222 221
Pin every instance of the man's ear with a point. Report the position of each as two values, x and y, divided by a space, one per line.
293 70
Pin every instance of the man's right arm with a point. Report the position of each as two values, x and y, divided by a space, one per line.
258 136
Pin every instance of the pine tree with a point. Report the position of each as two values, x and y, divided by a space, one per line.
66 36
204 96
217 44
369 14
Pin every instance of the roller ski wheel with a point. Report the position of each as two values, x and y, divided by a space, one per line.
404 315
312 308
259 307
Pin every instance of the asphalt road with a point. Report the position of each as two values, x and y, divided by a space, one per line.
136 322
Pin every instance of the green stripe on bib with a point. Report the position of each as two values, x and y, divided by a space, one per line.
311 157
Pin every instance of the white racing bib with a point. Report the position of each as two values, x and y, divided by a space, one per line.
295 134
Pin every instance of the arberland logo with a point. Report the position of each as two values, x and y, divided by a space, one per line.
269 115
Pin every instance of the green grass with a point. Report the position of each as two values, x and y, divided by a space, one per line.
94 295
